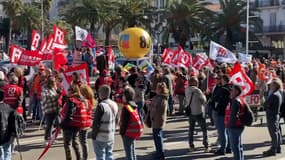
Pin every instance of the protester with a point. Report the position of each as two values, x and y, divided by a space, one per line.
272 107
19 72
49 102
179 91
133 76
2 80
88 94
196 100
8 129
233 123
157 110
104 125
130 123
167 79
72 117
104 79
155 78
222 99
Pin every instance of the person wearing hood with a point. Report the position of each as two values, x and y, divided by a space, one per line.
158 112
130 123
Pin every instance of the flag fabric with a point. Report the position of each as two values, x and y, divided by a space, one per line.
80 33
111 58
15 53
36 37
88 42
199 61
59 60
146 67
265 74
49 43
59 38
30 58
239 77
43 45
244 59
221 54
81 69
52 139
128 66
167 56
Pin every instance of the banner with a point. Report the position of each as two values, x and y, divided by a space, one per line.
30 58
80 33
59 38
36 37
221 54
111 58
128 66
15 53
49 43
81 69
244 59
179 58
253 99
239 77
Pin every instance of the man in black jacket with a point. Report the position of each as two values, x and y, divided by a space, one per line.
8 128
221 100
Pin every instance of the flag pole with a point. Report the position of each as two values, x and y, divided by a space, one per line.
247 27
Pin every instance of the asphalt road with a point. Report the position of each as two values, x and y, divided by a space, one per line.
255 140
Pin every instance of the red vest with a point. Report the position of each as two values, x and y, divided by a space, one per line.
81 117
12 94
228 114
135 128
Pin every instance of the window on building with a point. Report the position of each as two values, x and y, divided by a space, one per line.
272 21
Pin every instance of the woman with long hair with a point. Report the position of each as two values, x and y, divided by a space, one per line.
88 95
72 116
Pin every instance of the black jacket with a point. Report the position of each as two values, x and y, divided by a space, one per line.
8 123
222 98
125 118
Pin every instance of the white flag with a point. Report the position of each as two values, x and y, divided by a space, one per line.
221 54
244 59
80 33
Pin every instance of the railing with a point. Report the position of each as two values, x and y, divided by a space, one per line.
274 28
266 3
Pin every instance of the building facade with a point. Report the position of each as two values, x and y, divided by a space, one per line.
272 36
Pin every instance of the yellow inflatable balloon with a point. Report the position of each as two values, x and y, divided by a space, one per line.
134 42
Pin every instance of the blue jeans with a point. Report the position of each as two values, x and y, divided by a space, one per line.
6 151
236 145
129 145
222 133
103 150
158 141
141 111
181 99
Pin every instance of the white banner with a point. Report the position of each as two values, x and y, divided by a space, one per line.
221 54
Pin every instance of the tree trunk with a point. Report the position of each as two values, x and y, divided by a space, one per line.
107 36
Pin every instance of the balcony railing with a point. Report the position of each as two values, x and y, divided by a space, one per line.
266 3
273 28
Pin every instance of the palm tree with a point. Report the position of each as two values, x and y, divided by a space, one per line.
29 19
230 21
132 12
185 18
12 8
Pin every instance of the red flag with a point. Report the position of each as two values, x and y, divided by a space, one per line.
81 69
59 60
59 38
199 61
177 55
36 37
89 42
167 56
30 58
43 45
52 139
111 58
15 53
239 77
49 43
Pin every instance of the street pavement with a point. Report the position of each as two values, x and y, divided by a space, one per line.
255 140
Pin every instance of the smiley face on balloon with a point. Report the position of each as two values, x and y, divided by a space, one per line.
134 42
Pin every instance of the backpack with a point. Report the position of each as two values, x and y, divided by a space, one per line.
247 117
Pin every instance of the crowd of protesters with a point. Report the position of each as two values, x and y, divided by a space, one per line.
134 99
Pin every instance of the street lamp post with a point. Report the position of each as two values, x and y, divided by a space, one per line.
247 27
42 9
